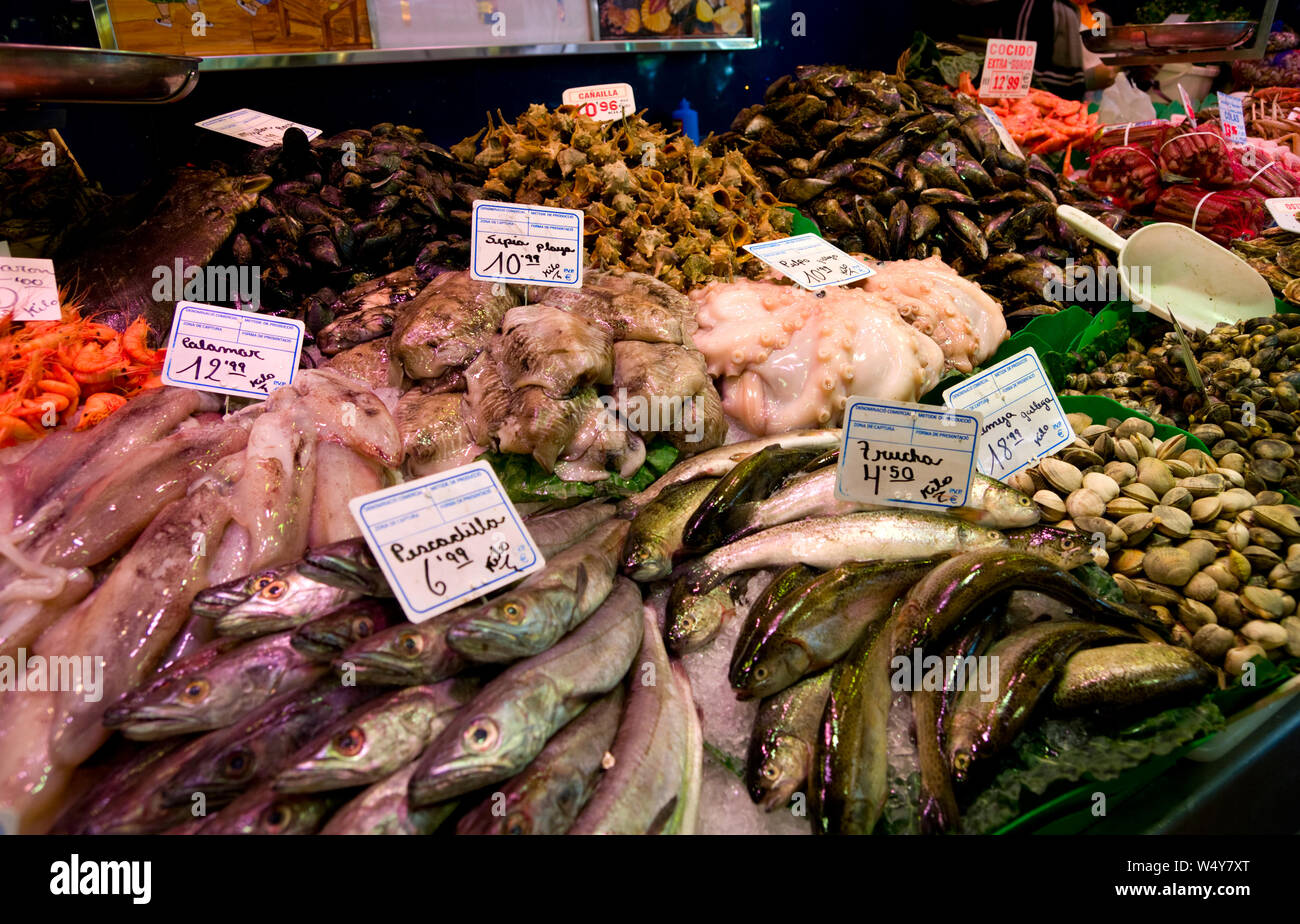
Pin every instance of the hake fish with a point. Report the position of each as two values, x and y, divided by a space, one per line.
506 726
715 463
405 654
781 746
383 809
820 622
653 785
547 795
555 531
326 638
271 600
991 503
534 615
655 536
212 695
1027 662
263 810
826 542
376 740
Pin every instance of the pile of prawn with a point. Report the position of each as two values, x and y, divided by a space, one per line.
51 370
1042 122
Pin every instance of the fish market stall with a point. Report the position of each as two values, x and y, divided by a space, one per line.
786 484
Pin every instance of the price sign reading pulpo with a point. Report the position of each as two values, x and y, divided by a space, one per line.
231 352
526 243
602 102
446 539
810 261
1008 68
907 455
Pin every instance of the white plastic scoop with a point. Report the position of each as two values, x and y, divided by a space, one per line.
1173 271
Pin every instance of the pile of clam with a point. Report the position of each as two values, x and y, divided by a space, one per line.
1250 410
1181 534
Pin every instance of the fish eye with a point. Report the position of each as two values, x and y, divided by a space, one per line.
1069 544
1024 501
518 823
278 818
770 772
196 691
361 628
411 643
513 611
688 623
275 590
482 735
760 673
351 742
261 581
238 763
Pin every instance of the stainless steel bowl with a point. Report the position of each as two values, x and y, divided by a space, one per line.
54 74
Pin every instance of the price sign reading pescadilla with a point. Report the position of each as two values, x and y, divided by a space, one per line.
602 102
446 539
810 261
1023 417
231 352
526 243
1008 68
906 455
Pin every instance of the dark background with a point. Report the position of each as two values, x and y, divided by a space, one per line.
120 146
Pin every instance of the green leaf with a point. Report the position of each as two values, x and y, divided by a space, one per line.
1100 409
526 481
1099 581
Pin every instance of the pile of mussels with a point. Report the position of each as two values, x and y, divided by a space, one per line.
898 169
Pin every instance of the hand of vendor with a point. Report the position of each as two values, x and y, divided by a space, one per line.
1100 77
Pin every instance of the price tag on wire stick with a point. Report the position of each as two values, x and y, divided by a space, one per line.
811 261
28 289
907 455
446 539
1023 417
1284 212
602 102
231 352
1232 117
257 127
1008 68
526 243
1187 105
1003 135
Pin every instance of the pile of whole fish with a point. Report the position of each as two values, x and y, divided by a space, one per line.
579 380
110 533
344 209
654 203
896 169
552 707
852 588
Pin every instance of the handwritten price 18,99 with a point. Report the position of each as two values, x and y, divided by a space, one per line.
1000 452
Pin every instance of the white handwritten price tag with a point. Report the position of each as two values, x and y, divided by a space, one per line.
1023 417
907 455
809 260
446 539
1008 68
1003 135
231 352
602 102
1232 117
526 243
1187 105
257 127
1284 212
28 289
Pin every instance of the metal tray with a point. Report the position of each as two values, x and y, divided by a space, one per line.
54 74
1171 37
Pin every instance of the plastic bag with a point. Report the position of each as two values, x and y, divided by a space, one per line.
1123 102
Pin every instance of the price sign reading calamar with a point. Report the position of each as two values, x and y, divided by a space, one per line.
907 455
602 102
257 127
28 289
1008 68
231 352
810 261
446 539
1023 417
526 243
